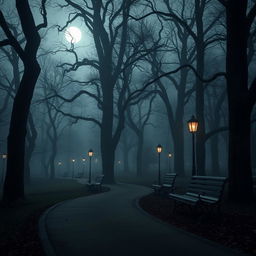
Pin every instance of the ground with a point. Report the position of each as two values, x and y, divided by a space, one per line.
234 227
19 223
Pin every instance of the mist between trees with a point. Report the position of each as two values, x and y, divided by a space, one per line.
138 73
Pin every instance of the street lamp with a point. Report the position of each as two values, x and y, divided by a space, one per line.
73 170
90 154
159 150
192 127
83 171
59 166
169 156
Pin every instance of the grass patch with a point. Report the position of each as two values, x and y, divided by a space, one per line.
18 229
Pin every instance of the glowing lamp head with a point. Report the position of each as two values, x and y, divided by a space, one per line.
4 156
192 124
169 155
159 148
83 159
90 153
73 160
59 163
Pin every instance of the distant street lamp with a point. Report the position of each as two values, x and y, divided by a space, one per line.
169 157
192 127
73 170
119 164
4 157
83 171
90 154
159 150
59 166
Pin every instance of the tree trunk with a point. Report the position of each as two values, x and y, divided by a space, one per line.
215 162
107 145
31 143
14 182
200 55
240 175
253 146
178 143
139 155
126 154
200 135
52 158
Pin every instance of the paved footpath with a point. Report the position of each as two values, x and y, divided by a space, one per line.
111 224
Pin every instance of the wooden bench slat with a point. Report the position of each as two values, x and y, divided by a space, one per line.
205 190
184 198
209 178
167 184
207 187
208 182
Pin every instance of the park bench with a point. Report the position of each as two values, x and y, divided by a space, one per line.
96 184
203 191
167 185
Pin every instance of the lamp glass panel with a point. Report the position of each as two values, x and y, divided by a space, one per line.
192 126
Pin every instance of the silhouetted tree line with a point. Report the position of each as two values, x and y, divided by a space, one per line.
173 46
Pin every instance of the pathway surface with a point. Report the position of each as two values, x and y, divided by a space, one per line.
111 224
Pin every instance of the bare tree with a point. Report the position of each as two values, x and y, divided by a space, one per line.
14 182
138 119
108 23
192 19
240 17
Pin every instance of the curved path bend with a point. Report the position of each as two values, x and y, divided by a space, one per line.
111 224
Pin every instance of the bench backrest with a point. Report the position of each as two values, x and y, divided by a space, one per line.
207 185
99 179
169 178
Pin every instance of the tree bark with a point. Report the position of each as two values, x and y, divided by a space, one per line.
14 181
240 175
215 163
107 145
31 143
200 135
139 154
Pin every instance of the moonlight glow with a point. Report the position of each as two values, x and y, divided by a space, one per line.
73 35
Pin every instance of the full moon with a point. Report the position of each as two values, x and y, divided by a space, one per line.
73 35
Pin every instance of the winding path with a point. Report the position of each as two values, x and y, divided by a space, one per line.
111 224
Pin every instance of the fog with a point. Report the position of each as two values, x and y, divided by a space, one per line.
98 93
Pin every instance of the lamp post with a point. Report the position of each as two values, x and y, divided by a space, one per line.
4 157
159 150
83 170
192 127
59 166
90 154
169 157
73 170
